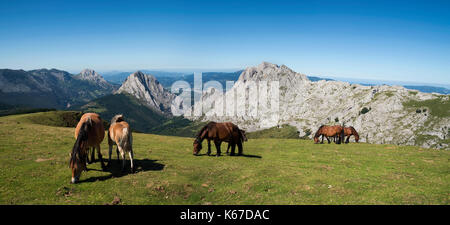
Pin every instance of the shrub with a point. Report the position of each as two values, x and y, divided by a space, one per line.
365 110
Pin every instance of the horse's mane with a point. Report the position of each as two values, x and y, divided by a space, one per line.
117 118
318 130
197 137
76 154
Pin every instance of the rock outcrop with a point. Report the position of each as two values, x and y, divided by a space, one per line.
149 91
381 114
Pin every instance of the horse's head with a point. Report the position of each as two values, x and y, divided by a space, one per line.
78 155
317 134
78 164
316 140
197 146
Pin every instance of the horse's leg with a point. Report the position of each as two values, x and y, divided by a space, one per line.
217 143
109 153
130 153
328 140
233 148
87 157
122 153
117 151
348 137
99 154
209 147
228 148
240 149
93 155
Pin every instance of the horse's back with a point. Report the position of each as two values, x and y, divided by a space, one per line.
228 131
120 134
97 132
117 129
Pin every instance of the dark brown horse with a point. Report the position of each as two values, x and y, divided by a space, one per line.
89 133
328 132
219 132
349 131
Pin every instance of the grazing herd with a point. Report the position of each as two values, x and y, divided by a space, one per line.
337 132
90 132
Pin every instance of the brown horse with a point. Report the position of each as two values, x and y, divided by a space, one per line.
329 131
119 134
349 131
89 133
219 132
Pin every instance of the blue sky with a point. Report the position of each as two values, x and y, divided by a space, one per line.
388 40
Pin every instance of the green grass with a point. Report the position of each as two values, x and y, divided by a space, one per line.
178 126
438 107
283 132
34 170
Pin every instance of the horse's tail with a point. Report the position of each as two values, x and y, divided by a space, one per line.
126 139
355 133
342 135
117 118
243 136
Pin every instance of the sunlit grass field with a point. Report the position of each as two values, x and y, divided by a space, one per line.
34 170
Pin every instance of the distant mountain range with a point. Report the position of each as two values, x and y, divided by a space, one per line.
167 79
53 88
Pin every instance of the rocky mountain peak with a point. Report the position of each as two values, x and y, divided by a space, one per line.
149 91
92 76
271 72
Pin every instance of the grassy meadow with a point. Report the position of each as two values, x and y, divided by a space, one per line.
34 170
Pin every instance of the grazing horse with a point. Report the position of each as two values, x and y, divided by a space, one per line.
219 132
119 134
89 133
329 131
349 131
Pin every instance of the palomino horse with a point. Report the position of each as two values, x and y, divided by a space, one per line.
119 134
219 132
329 131
89 133
349 131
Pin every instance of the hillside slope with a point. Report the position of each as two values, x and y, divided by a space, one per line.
34 165
141 117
